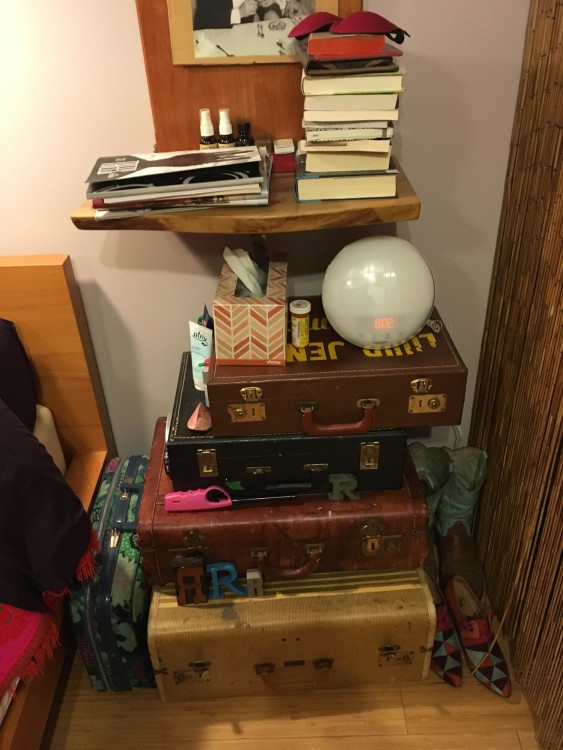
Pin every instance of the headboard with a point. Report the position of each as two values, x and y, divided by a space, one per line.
39 293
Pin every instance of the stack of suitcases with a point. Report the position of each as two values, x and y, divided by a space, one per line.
295 559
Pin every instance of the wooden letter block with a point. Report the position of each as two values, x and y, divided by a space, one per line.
254 582
343 486
223 576
191 585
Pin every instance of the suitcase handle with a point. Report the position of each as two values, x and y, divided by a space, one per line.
313 552
344 428
322 671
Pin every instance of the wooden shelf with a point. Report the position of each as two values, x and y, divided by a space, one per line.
283 214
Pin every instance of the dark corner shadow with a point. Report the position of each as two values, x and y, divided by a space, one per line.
116 358
179 253
311 252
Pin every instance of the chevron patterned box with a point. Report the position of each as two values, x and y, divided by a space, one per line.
251 330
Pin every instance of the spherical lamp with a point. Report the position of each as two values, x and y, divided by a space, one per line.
378 292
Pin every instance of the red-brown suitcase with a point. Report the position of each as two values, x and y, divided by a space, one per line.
332 387
287 539
257 465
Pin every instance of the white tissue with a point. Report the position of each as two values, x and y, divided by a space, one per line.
251 275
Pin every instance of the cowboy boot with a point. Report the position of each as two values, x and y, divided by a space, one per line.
454 517
433 466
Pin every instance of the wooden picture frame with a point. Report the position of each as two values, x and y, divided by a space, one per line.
267 96
257 42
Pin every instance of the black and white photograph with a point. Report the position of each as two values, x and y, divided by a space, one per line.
211 32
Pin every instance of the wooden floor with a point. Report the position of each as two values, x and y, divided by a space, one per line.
420 716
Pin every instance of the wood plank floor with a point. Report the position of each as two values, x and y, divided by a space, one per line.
413 716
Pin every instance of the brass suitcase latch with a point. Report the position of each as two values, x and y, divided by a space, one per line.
423 402
207 462
369 456
198 671
421 385
426 403
375 542
247 412
251 394
391 655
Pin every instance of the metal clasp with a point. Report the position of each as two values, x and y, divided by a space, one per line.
421 385
369 456
207 462
251 393
375 542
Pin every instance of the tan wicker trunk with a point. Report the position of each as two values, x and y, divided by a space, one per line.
328 630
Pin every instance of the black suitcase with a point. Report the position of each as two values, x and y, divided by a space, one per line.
247 466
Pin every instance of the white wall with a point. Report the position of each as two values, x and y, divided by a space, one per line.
73 87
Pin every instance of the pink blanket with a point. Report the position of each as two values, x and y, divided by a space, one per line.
28 639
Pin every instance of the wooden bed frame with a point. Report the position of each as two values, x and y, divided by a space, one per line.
41 296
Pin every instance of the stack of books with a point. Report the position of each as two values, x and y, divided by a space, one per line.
134 184
351 84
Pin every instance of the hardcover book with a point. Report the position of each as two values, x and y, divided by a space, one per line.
373 83
349 65
352 102
323 132
340 115
371 145
346 161
317 186
345 45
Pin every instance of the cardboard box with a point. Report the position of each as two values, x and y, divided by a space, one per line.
251 330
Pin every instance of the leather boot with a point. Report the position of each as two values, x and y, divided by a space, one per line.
434 467
454 517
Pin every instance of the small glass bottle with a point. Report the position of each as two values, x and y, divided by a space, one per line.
226 138
243 135
207 134
300 310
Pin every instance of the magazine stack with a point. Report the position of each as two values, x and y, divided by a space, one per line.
139 184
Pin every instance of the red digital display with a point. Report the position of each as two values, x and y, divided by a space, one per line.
383 324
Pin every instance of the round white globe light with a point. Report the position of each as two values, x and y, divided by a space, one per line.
378 292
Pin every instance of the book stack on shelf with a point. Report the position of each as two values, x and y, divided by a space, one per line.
139 184
351 83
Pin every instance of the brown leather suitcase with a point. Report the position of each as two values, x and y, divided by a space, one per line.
332 387
384 530
252 465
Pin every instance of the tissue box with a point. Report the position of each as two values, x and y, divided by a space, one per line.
251 330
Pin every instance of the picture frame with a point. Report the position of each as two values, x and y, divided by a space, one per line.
248 43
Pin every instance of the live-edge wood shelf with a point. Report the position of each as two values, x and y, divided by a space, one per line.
283 214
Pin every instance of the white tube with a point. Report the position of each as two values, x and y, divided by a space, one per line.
201 344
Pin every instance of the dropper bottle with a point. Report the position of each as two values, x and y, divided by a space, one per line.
244 138
226 137
206 132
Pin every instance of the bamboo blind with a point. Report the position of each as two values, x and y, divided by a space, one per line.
518 412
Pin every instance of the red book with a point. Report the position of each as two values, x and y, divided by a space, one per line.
352 45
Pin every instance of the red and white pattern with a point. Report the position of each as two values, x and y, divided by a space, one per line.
251 330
